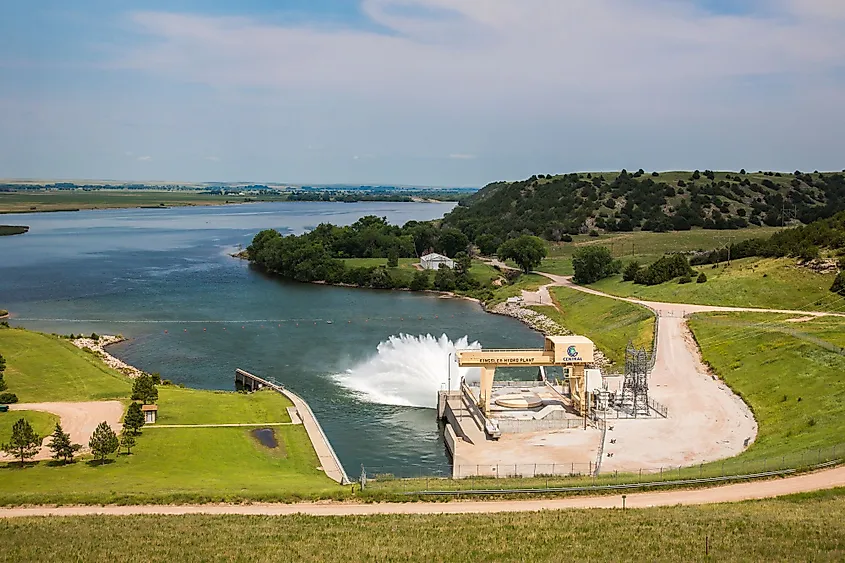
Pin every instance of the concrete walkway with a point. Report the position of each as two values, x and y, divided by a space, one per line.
729 493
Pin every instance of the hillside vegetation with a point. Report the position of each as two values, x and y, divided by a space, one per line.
556 207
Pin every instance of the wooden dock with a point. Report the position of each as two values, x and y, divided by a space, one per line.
329 461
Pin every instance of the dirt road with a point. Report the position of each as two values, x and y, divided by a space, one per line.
729 493
77 419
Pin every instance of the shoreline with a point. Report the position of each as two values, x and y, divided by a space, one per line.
98 348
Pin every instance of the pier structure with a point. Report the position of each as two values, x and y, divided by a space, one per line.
329 462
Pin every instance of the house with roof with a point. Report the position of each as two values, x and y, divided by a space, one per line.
432 261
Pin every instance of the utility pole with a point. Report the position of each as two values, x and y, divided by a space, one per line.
730 242
449 374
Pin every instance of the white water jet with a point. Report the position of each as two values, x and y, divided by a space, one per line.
409 371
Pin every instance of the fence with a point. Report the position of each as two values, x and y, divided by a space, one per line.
538 477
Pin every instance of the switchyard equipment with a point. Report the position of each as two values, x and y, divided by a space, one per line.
572 353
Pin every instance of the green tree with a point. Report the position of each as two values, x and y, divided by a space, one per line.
702 278
24 442
451 241
143 389
463 263
3 385
392 259
444 279
420 281
103 442
527 251
127 441
592 263
61 445
487 244
134 418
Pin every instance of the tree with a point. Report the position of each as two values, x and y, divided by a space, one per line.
420 281
451 241
143 389
134 418
61 446
462 263
392 259
702 277
127 441
103 442
592 263
3 385
24 442
487 244
527 251
7 398
444 279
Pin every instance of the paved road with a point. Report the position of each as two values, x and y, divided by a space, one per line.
729 493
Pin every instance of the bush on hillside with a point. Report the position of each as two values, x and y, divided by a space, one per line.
684 279
702 277
630 271
668 267
592 263
444 279
839 284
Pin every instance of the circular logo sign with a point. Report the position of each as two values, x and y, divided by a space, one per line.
572 351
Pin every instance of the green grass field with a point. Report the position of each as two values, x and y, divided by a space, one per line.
42 422
608 322
167 464
796 528
180 465
794 386
191 406
527 282
41 367
750 282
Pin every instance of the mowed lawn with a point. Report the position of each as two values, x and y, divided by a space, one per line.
192 406
750 282
796 528
180 465
42 367
43 423
794 386
167 464
607 322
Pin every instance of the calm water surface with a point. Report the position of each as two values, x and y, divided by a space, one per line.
164 279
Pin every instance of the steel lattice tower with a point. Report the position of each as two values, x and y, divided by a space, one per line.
635 384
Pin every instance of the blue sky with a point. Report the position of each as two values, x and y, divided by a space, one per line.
429 92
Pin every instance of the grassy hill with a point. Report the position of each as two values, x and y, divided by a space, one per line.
556 206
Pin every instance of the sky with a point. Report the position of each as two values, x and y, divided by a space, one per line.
419 92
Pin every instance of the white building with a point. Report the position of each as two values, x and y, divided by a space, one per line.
432 261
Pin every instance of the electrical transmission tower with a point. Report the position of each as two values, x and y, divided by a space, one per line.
635 384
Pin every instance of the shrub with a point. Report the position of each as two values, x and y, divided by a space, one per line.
420 281
666 268
95 336
839 284
702 277
392 259
630 271
444 279
566 238
684 279
8 398
594 233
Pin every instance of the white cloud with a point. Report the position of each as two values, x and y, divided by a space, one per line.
460 156
145 158
212 158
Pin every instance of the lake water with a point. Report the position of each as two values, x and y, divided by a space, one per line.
164 279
